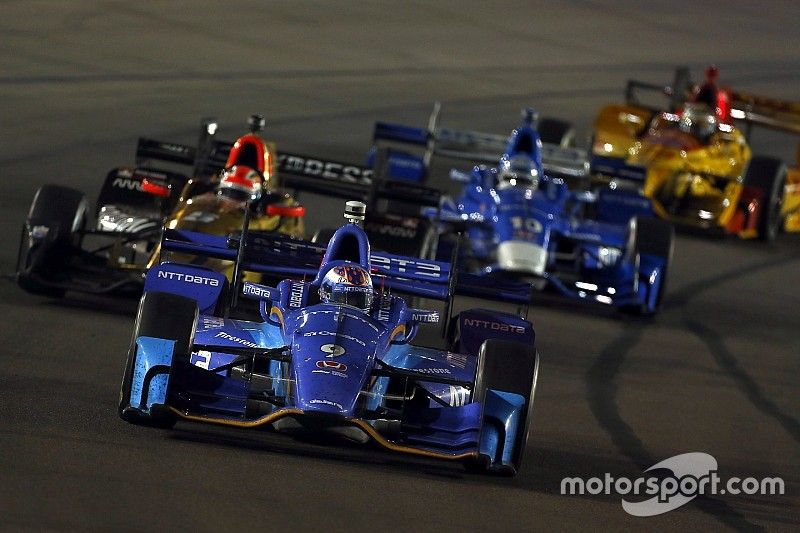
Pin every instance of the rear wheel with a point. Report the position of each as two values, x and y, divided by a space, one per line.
161 316
769 175
655 237
505 367
556 131
49 237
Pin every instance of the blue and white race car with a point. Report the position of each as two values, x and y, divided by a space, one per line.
331 354
523 222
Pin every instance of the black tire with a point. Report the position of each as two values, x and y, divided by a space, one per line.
510 367
652 236
323 236
556 131
62 211
769 175
163 316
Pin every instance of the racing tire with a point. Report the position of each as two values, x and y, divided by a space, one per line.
163 316
556 131
769 175
323 236
652 236
509 367
62 211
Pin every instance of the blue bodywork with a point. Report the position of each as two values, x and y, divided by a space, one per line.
544 235
576 242
329 367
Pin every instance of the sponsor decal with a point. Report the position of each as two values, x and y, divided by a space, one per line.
283 246
332 365
390 230
238 340
296 295
297 164
458 360
177 148
39 232
149 174
327 402
429 317
188 278
213 322
402 265
334 334
439 371
495 326
332 350
201 217
259 291
405 162
384 308
201 358
130 184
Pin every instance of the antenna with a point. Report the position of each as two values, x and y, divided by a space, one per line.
355 212
256 123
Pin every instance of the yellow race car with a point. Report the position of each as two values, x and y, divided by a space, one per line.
695 164
65 246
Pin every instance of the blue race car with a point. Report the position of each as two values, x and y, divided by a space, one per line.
331 354
524 223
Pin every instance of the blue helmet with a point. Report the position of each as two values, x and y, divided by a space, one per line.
348 284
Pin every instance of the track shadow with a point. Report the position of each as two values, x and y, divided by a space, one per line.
602 384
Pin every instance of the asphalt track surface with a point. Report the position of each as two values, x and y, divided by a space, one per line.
716 372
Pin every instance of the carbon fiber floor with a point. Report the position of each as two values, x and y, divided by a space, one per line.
716 372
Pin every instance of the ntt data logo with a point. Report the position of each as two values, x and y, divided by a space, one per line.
686 476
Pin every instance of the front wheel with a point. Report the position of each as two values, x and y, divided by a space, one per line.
655 239
50 236
505 383
769 176
163 330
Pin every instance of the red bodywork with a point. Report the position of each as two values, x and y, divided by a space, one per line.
746 217
251 151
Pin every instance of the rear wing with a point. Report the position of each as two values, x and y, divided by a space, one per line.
475 146
295 171
753 110
280 255
780 115
349 181
207 158
639 93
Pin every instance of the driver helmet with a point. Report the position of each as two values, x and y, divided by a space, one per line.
240 183
698 120
518 171
347 284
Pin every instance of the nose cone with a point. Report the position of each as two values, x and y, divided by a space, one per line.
333 352
521 256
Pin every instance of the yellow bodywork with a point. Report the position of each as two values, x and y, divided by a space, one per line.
217 215
677 165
